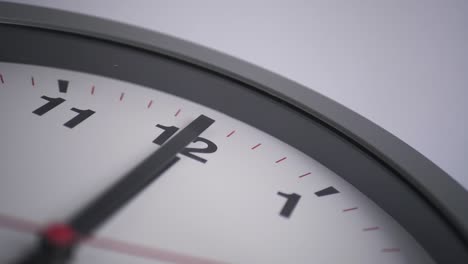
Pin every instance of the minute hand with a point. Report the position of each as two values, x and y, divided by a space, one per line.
129 186
87 220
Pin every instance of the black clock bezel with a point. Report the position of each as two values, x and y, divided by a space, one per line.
418 194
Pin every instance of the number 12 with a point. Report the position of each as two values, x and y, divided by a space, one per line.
170 131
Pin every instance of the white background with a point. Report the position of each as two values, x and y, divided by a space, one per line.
402 64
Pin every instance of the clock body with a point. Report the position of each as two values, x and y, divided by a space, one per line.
282 175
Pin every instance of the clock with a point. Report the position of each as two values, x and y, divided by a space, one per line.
121 145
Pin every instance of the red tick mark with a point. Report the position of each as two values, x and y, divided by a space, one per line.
371 228
150 103
350 209
256 146
32 81
1 78
390 250
230 134
17 224
280 160
92 90
303 175
178 112
146 252
122 96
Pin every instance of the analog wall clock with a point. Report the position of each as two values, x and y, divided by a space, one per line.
120 145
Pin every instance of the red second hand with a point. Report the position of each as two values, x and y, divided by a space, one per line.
62 235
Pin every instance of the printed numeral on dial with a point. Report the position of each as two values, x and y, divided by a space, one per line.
169 131
54 102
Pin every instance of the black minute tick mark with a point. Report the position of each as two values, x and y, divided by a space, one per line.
327 191
63 86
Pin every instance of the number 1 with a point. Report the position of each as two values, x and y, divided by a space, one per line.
291 202
168 132
82 116
53 102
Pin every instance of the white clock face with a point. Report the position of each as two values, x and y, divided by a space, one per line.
238 196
